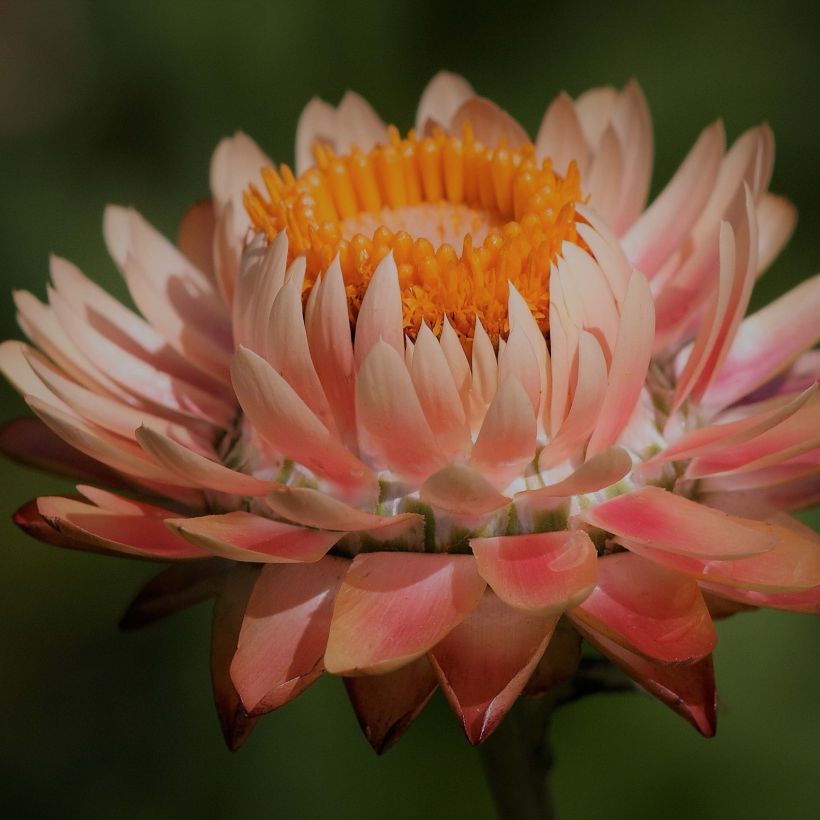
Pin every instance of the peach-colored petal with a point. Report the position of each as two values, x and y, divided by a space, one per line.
312 508
594 108
601 471
196 468
236 162
288 424
490 123
387 704
518 359
566 318
807 601
672 523
485 661
462 491
457 362
607 251
394 606
792 566
284 632
195 237
357 125
660 229
484 381
141 533
542 572
649 610
440 100
438 395
766 343
331 348
605 176
390 418
590 392
688 689
506 440
242 536
630 361
229 611
560 137
316 124
776 221
380 316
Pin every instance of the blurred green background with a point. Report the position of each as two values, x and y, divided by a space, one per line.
123 102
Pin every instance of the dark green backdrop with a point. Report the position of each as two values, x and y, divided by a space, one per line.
124 101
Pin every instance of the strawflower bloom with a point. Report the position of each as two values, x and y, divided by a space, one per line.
430 408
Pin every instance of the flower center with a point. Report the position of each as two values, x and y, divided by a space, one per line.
461 219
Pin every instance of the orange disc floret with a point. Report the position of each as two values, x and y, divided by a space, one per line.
461 219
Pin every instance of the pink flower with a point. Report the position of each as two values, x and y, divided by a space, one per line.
410 412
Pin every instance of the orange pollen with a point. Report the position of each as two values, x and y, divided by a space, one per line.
422 198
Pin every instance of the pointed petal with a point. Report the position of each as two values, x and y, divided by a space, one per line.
484 662
688 689
669 522
317 123
177 587
195 237
600 472
236 162
229 611
394 606
630 361
312 508
441 98
490 124
560 137
284 632
648 609
358 125
242 536
380 316
664 225
459 490
766 343
386 705
142 533
776 220
390 418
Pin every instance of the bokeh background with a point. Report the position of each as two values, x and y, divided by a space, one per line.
124 101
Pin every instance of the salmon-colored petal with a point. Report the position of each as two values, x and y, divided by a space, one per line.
542 572
197 469
313 508
506 440
590 391
648 609
130 534
484 382
176 588
688 689
600 472
604 179
380 316
229 612
393 607
387 704
457 362
438 395
288 424
566 318
284 632
607 251
766 343
490 123
672 523
807 601
357 125
661 228
236 162
521 318
242 536
331 347
462 491
30 442
390 418
776 221
630 361
441 99
560 137
316 124
195 237
793 565
485 661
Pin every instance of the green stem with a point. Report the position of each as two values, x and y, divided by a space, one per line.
517 761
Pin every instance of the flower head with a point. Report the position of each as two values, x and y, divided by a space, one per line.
431 408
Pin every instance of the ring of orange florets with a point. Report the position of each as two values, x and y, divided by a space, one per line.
525 210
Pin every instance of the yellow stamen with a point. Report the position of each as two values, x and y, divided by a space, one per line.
461 219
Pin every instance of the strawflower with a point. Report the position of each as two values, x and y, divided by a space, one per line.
433 407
